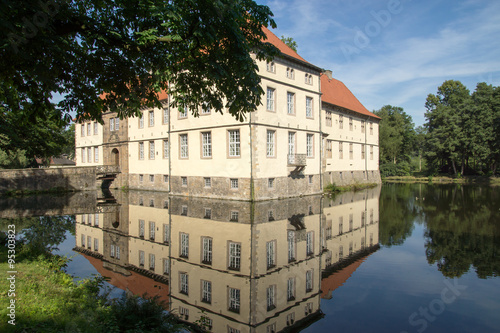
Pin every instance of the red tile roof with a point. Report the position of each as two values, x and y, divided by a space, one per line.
285 49
335 92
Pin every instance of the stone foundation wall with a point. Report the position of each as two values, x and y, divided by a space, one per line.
68 179
287 187
344 178
220 188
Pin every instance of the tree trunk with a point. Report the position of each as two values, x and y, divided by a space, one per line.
454 167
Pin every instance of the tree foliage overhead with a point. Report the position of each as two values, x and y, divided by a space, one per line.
197 50
290 42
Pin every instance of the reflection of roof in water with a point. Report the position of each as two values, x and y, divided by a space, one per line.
338 274
135 283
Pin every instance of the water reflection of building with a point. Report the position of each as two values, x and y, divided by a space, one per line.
237 266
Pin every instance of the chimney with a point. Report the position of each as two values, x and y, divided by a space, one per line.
329 74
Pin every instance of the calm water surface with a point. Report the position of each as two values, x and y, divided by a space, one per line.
400 258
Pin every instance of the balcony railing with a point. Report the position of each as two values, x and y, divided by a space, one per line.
297 160
107 169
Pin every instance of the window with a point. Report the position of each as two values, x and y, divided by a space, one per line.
89 130
271 297
291 246
371 152
363 126
165 116
165 180
341 121
96 244
290 103
183 112
290 73
141 258
271 143
311 179
152 180
117 124
341 150
234 256
206 291
184 181
234 300
96 128
152 261
205 109
270 99
141 150
341 225
184 245
141 228
151 150
350 124
141 120
184 211
351 222
270 183
351 154
152 230
83 130
83 155
310 243
341 252
96 154
328 118
117 256
234 143
328 148
96 220
89 219
206 255
309 107
151 118
290 290
89 153
206 144
83 240
166 150
309 282
166 233
362 152
141 201
308 78
291 147
270 215
166 266
141 178
310 145
234 183
208 213
112 125
290 319
271 67
184 283
234 216
183 139
271 254
371 128
208 182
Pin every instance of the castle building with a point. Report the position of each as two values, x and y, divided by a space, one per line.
309 131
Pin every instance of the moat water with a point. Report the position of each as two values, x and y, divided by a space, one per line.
397 258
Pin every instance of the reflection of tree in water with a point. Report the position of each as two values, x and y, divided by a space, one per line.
397 214
463 230
41 234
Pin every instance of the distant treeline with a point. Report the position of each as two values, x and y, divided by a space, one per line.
461 135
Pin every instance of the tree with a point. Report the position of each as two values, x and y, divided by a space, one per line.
396 137
198 51
446 140
22 141
289 42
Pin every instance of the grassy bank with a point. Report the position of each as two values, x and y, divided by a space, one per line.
24 193
444 180
47 300
332 188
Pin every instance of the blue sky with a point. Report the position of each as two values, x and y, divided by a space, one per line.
396 51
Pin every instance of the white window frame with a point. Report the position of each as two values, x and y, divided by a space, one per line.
206 144
234 143
152 150
151 115
207 248
270 99
141 150
166 149
290 103
184 145
184 245
310 145
234 256
271 143
309 107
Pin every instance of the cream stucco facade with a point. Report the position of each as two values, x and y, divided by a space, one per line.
292 145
